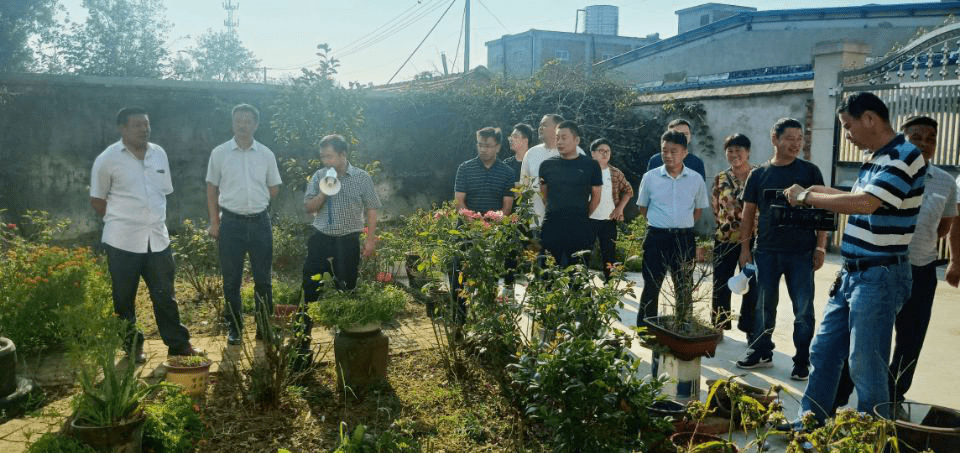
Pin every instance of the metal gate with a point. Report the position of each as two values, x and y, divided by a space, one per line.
923 78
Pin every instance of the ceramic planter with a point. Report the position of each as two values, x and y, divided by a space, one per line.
684 347
8 367
125 437
923 426
193 379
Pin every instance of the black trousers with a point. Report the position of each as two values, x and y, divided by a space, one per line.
726 256
605 231
911 329
157 270
666 250
337 255
562 237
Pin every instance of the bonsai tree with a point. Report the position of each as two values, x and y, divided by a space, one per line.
370 302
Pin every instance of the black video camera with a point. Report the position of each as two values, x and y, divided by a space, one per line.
800 217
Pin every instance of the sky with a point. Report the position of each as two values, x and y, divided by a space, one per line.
372 39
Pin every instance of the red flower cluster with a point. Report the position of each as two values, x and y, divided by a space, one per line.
12 226
384 277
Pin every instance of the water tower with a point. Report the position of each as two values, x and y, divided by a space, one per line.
601 20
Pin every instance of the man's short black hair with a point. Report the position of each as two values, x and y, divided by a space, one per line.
600 141
736 140
125 113
490 132
678 122
860 102
525 130
555 117
335 141
247 108
571 126
672 136
783 124
919 120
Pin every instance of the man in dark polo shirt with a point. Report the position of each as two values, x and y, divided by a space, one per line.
570 186
483 184
691 161
671 197
875 279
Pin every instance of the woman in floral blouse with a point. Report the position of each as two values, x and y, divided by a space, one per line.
728 210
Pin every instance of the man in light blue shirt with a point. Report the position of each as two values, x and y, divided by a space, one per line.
671 197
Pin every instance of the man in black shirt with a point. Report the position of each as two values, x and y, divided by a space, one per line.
520 140
570 185
781 251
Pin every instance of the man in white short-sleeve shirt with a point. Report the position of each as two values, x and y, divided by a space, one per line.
242 178
129 184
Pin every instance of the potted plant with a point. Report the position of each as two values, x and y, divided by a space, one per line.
109 415
685 333
190 372
360 346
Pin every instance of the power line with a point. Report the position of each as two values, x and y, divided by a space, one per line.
484 5
390 31
423 41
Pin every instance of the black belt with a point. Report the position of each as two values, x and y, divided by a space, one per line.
670 230
258 215
862 264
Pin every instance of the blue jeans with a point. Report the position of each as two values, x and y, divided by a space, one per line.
240 236
797 269
857 327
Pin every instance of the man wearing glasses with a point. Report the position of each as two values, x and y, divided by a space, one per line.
483 184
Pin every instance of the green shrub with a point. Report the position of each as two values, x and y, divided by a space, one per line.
197 261
173 423
587 394
50 296
58 443
289 245
630 244
369 302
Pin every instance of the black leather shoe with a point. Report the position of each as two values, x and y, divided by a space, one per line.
139 357
234 340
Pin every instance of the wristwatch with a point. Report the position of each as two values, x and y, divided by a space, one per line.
802 197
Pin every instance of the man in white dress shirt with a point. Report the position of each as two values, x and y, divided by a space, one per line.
129 184
242 178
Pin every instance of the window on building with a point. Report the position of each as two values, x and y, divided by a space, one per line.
563 55
704 19
517 56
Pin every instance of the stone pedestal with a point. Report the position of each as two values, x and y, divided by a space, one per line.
684 383
361 358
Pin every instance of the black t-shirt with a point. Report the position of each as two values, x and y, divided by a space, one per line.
569 184
767 177
513 163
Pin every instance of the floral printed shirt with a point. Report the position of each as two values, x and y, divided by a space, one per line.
727 205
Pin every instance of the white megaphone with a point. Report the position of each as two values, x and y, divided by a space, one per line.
739 284
329 184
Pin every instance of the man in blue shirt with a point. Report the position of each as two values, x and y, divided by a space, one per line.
671 197
691 161
875 279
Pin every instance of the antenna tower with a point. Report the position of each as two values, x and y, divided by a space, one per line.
231 22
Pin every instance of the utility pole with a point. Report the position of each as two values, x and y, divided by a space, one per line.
466 38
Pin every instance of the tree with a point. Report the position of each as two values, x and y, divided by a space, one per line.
313 106
119 38
20 21
220 56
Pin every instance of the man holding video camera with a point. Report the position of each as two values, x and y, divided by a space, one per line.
875 279
783 248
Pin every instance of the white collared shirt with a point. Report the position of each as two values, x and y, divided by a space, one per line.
670 201
244 176
136 194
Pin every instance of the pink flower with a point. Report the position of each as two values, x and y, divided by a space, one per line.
12 226
470 214
437 215
384 277
495 216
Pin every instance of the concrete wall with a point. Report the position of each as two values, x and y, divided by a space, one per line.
752 116
766 44
53 127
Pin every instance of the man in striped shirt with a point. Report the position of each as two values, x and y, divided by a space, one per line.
875 279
